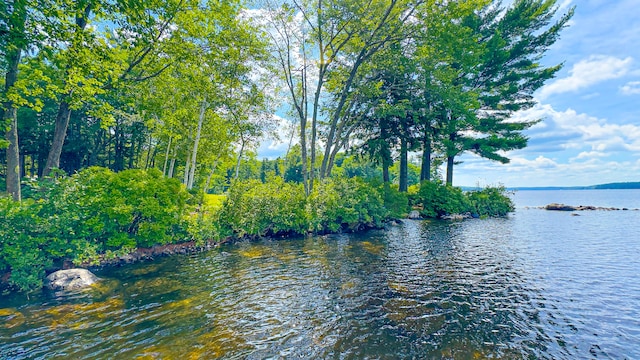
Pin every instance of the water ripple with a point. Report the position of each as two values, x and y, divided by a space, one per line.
500 288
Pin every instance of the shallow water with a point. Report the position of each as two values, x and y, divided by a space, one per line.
538 284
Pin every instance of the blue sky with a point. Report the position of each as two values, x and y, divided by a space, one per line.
590 133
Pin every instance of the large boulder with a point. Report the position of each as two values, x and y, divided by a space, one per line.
560 207
71 279
414 214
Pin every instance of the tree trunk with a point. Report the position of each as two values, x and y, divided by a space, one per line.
149 159
450 170
425 169
385 172
192 172
118 156
404 167
187 165
152 162
172 165
13 155
303 110
10 118
239 159
64 111
314 121
166 157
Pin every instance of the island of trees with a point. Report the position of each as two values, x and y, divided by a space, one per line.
135 123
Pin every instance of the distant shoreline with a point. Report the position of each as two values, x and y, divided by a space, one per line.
610 186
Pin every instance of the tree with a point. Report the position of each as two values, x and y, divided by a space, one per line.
343 35
502 79
129 48
24 25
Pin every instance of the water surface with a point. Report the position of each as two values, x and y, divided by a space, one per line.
537 284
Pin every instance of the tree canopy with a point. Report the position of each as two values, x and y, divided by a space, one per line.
191 87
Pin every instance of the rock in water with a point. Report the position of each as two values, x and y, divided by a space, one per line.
560 207
414 214
71 279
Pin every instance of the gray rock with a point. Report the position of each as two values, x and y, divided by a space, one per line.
414 214
455 217
560 207
71 279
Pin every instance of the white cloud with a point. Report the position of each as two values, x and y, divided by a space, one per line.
631 88
593 70
276 145
590 155
566 148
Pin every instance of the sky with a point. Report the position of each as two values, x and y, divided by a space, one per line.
590 128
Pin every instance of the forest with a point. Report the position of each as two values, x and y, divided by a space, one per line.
136 123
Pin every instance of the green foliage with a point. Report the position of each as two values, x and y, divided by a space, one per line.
280 208
491 201
345 204
133 208
438 200
256 209
24 247
91 215
396 202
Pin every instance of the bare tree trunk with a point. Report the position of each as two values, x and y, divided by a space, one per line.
344 142
166 157
303 112
59 134
172 166
385 171
425 169
185 181
192 172
404 167
10 117
314 122
450 163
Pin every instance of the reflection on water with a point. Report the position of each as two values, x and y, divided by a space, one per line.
498 288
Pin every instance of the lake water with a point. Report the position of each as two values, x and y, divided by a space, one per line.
537 284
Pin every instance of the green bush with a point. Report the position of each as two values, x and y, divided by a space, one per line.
24 246
490 201
345 204
438 200
256 209
396 202
88 214
132 208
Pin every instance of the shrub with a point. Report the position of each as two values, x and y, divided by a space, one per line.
491 201
88 214
24 246
345 204
396 202
438 200
132 208
256 209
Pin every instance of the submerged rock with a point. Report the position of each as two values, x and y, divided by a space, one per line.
71 279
